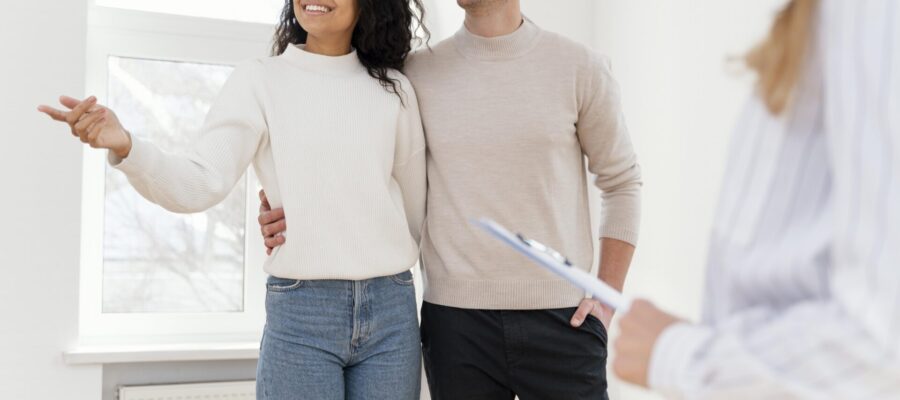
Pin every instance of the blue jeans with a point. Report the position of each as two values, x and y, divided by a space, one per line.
331 339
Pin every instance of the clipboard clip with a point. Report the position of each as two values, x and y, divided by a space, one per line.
534 244
555 262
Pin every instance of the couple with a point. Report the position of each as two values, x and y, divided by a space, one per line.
802 294
334 130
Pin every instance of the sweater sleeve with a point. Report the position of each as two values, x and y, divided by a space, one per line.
844 345
606 143
409 160
205 174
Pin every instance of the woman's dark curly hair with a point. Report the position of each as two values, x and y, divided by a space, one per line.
382 38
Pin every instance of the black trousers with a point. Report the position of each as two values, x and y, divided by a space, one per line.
494 355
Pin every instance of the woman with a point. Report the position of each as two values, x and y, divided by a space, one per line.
334 134
803 292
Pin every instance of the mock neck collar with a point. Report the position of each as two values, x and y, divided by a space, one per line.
331 65
509 46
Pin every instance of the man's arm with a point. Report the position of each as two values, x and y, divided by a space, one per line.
606 143
271 223
615 258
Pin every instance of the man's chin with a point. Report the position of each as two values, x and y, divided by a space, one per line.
475 4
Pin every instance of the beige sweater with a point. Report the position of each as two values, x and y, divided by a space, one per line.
342 156
509 121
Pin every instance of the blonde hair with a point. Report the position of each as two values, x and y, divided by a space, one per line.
779 59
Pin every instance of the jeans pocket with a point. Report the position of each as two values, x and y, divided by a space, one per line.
404 278
276 284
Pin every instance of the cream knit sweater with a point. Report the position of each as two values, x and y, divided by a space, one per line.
343 157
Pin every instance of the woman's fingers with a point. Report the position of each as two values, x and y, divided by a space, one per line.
93 132
73 116
97 126
69 102
78 110
639 329
57 115
85 118
82 127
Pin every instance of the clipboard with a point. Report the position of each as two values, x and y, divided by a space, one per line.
558 264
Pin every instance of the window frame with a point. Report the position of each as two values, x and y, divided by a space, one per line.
139 34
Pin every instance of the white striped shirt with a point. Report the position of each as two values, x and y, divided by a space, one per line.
803 283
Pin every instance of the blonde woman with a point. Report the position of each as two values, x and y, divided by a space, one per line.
803 292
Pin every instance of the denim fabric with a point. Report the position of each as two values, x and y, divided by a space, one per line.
332 339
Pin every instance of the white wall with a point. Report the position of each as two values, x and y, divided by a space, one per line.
43 47
681 97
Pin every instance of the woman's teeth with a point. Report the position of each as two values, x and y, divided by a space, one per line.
317 8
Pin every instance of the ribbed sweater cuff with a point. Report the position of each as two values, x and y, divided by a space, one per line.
141 157
618 232
674 351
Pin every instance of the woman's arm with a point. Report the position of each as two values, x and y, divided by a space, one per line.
845 346
205 174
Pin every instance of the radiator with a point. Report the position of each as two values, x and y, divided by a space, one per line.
234 390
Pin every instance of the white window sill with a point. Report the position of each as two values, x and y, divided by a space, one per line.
163 352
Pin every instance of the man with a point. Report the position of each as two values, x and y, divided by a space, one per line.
510 112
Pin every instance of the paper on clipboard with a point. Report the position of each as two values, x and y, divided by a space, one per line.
556 263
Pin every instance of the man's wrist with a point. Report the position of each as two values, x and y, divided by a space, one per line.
618 284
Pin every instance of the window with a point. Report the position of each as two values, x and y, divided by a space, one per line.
154 260
147 272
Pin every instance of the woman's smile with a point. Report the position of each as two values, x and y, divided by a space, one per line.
316 9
